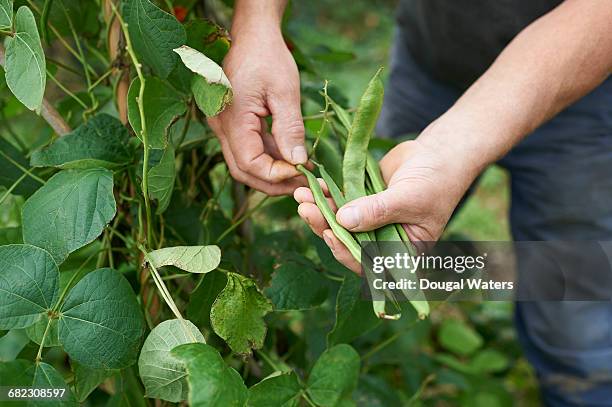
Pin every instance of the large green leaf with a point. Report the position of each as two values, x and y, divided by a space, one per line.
163 375
23 373
161 180
354 316
69 211
296 287
237 314
163 104
211 382
46 377
194 259
29 285
154 34
101 324
281 390
101 142
25 67
10 172
211 88
6 14
457 337
334 375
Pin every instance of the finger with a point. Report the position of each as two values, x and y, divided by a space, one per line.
304 195
274 189
246 143
287 125
313 217
340 251
373 211
270 146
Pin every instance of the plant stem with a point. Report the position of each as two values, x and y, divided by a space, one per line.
15 184
42 341
22 168
163 290
242 219
143 127
67 91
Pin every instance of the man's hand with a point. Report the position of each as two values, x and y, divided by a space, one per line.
265 82
424 189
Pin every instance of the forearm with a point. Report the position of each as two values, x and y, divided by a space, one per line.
552 63
252 16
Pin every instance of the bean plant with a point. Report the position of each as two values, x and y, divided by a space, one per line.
135 271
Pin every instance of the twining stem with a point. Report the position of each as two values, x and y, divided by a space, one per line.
163 290
325 119
143 126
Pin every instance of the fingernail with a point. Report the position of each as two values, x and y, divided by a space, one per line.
298 155
328 240
349 217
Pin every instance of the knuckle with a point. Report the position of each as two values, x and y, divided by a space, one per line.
379 210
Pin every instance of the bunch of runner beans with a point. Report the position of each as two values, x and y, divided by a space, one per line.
361 176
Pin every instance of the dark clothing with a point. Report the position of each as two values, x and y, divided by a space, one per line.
457 40
561 190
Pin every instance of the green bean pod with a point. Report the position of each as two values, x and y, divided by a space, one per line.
333 188
342 234
355 155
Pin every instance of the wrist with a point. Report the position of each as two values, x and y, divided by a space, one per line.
458 146
257 19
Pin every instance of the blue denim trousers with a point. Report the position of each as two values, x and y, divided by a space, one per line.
561 188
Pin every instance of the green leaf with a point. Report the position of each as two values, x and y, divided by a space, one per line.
23 373
211 381
46 377
209 38
203 297
129 392
459 338
282 390
69 211
163 105
354 316
334 375
489 361
194 259
35 332
101 142
237 314
161 180
101 324
154 34
211 88
29 282
6 14
296 287
10 173
163 375
87 380
25 61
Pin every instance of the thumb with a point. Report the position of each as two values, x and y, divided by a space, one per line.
371 212
288 126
